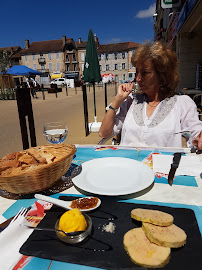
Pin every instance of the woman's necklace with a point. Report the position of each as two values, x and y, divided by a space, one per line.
153 105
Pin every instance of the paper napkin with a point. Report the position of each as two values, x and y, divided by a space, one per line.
189 165
11 239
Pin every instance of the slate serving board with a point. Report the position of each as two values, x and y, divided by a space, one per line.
46 245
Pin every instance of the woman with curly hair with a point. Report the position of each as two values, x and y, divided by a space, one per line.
153 117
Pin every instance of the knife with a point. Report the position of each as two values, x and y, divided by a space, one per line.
174 166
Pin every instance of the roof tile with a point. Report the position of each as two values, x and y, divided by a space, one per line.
9 49
44 46
81 45
117 47
47 46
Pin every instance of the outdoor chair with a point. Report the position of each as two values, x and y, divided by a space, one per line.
198 100
54 86
115 139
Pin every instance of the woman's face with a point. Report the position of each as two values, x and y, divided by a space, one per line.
147 78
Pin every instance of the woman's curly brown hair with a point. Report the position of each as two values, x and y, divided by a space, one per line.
165 63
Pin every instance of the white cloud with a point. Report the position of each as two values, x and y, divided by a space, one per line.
146 13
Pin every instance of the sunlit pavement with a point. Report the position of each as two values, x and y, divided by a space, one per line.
65 107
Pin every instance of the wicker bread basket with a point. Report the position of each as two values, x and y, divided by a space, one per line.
43 176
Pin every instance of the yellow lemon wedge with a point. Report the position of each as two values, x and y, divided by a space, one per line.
72 221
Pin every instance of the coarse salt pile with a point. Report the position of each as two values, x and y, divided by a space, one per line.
109 227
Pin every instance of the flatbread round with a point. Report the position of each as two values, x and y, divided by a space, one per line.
152 216
143 252
170 236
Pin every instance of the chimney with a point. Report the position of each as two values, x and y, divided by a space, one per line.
96 41
63 40
79 40
26 43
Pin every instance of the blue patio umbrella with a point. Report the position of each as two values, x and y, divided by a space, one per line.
18 70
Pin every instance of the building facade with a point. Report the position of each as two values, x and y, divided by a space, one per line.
115 58
181 28
44 56
66 58
81 45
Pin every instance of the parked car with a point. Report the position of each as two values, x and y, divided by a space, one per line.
59 81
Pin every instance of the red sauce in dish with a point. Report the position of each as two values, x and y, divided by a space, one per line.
84 203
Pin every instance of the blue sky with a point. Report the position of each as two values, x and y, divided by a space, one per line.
111 20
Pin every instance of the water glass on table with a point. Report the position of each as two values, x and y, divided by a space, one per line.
55 132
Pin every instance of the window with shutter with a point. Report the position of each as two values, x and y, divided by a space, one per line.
58 66
82 57
74 57
50 66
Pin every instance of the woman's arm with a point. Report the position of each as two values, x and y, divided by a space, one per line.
198 141
106 128
190 120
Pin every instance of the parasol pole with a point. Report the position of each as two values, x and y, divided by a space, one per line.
95 114
85 107
105 95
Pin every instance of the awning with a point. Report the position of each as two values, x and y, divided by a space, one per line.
108 75
71 75
22 70
55 76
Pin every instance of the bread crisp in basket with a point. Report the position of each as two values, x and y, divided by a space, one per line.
36 168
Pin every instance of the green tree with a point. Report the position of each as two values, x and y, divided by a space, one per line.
4 61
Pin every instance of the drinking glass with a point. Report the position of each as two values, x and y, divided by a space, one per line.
136 89
55 132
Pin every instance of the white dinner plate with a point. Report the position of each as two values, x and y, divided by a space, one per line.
114 176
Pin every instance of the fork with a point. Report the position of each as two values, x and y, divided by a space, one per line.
185 133
22 212
188 136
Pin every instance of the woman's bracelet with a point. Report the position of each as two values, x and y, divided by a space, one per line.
110 107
